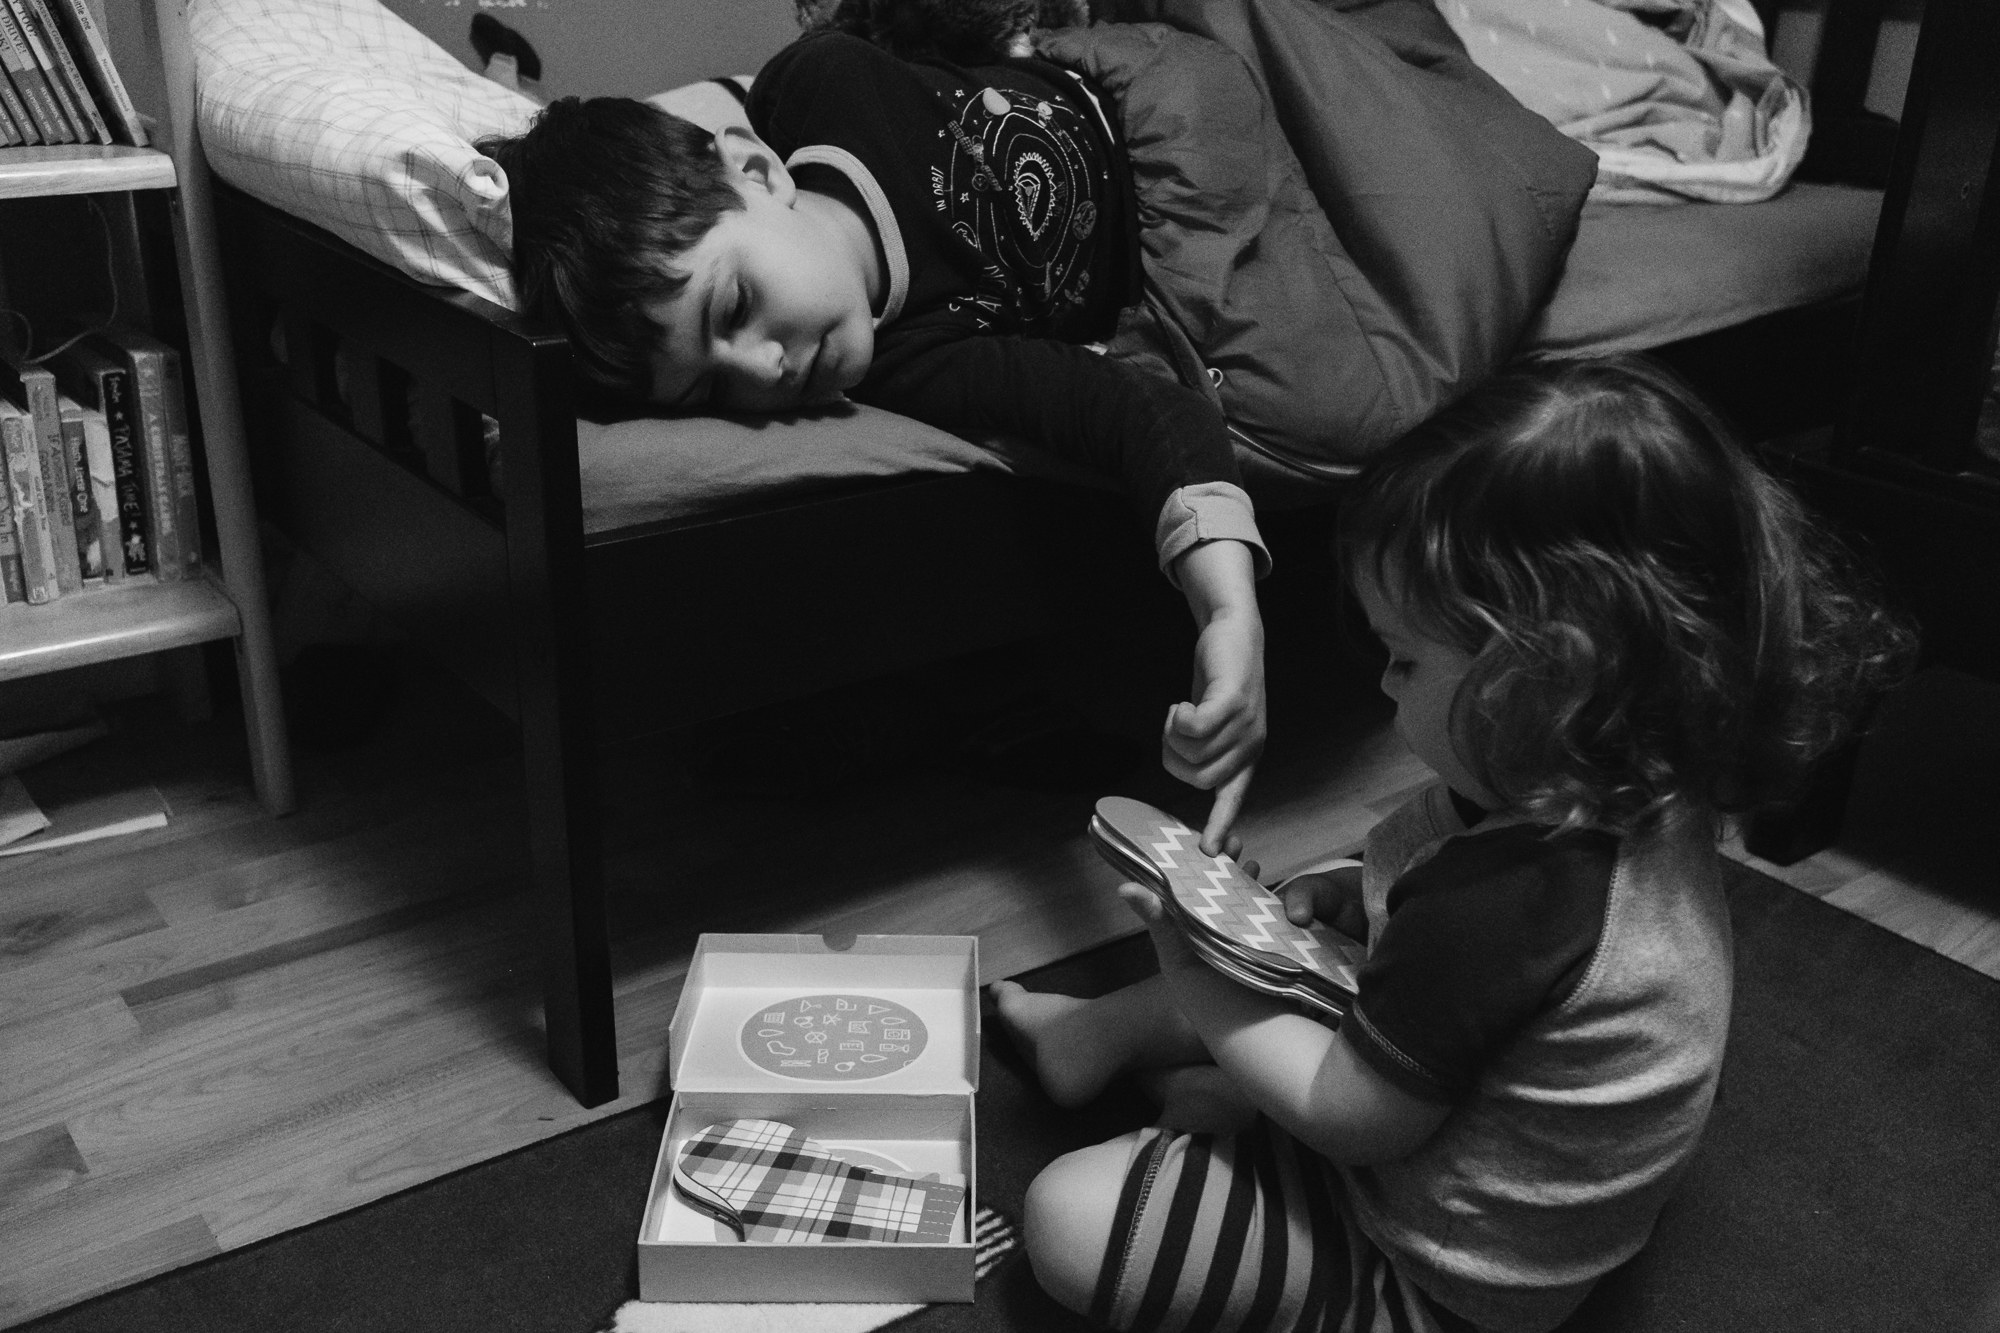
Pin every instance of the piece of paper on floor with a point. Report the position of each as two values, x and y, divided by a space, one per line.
105 815
19 815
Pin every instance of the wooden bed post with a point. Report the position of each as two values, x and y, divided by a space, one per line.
1926 345
544 498
217 402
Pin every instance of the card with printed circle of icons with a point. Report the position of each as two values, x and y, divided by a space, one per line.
832 1037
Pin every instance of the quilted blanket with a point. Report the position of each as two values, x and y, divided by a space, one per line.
1676 97
1346 223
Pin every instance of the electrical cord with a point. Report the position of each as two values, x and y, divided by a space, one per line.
28 355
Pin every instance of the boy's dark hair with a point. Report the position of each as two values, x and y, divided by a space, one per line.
606 193
1658 621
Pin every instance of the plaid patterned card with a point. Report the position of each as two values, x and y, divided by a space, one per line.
767 1181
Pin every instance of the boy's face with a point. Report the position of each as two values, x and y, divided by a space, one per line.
775 314
1423 677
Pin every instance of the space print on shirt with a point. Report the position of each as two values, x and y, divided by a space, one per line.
1017 187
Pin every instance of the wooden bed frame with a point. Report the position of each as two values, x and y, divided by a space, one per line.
1899 469
678 622
684 621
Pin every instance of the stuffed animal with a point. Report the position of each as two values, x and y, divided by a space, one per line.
965 32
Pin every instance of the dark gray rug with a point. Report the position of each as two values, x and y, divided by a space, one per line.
1850 1180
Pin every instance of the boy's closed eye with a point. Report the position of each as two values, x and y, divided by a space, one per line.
731 310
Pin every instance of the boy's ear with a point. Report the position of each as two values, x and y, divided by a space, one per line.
751 162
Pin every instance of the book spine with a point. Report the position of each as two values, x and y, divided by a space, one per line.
180 455
10 133
89 121
104 492
83 513
27 75
13 587
45 62
44 409
156 457
127 468
31 520
93 52
24 121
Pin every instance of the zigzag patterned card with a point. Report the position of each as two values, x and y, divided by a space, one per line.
1234 922
766 1181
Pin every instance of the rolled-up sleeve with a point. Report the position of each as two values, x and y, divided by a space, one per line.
1207 511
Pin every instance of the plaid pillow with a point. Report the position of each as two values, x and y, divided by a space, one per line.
342 114
767 1181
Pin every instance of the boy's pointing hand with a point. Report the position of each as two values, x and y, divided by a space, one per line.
1214 740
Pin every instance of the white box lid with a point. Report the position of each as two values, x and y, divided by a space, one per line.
828 1015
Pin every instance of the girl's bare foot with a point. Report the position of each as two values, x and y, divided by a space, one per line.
1045 1027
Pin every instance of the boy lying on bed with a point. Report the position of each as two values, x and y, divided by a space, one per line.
700 271
944 238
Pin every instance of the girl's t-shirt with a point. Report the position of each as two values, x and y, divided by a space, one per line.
1494 929
1569 996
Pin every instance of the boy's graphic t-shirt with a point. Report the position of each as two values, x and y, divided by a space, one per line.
1007 219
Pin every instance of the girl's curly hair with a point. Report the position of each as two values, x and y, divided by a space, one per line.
1658 621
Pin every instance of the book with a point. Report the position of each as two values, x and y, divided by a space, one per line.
10 134
45 61
92 51
180 443
31 519
103 491
26 72
34 387
10 97
168 452
97 379
1234 923
83 505
69 81
27 741
13 587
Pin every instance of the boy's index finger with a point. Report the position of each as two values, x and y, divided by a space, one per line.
1222 815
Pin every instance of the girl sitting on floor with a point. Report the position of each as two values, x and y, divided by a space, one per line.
1608 630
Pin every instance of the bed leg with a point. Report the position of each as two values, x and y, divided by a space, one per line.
544 512
570 922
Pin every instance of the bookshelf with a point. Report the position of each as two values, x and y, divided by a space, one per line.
228 601
41 171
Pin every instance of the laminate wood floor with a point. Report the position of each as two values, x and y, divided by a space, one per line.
216 1031
233 1026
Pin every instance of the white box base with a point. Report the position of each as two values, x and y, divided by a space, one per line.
914 1120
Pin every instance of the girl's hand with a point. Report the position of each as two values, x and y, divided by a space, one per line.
1172 947
1332 896
1214 740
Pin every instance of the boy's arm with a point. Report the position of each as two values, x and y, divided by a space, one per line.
1306 1077
1168 449
1213 740
1164 446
